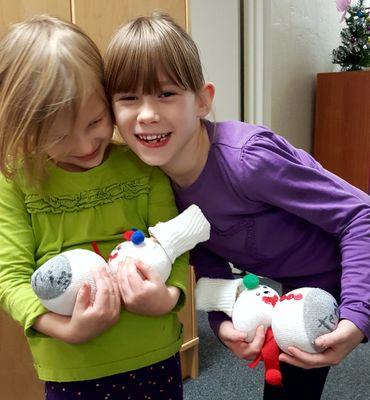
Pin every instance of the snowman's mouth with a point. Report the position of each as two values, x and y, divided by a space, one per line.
271 300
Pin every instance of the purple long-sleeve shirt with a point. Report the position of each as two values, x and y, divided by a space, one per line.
278 213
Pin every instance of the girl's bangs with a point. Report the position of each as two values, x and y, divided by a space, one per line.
143 69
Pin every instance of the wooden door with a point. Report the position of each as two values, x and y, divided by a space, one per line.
12 11
100 19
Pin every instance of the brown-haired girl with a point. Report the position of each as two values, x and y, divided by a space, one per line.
273 209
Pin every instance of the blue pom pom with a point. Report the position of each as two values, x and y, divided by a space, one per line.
138 237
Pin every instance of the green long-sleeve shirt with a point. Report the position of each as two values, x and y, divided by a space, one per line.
75 209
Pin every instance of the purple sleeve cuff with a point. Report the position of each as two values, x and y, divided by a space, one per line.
215 318
359 319
209 265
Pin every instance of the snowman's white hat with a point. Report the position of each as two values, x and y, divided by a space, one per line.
182 233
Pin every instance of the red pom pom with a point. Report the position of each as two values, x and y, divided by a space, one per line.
127 235
273 377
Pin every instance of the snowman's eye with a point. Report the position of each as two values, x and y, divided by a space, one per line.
258 294
266 292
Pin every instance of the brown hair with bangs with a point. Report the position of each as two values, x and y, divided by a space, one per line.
48 68
147 46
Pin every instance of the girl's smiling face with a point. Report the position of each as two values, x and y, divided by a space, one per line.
84 145
160 127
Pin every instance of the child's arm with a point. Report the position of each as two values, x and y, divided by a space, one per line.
17 261
275 173
88 319
209 265
140 286
326 201
161 208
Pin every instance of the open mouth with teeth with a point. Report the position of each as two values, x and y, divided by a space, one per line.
154 139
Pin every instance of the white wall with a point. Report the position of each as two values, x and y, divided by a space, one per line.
292 46
214 25
303 34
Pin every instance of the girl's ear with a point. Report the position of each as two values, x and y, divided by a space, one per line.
205 99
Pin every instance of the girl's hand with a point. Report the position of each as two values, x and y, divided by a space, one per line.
91 318
142 289
235 341
338 345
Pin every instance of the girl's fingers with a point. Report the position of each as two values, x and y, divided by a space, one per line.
135 279
112 287
259 338
132 277
146 271
123 281
107 278
83 298
103 288
117 296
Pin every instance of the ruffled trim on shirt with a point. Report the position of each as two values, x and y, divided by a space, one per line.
91 198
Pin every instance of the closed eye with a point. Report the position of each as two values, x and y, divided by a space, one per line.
127 98
166 94
95 122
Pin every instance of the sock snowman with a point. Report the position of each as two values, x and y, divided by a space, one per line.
57 281
294 319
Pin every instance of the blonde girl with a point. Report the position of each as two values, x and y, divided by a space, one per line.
64 185
273 209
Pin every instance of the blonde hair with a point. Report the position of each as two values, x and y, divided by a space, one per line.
48 68
147 46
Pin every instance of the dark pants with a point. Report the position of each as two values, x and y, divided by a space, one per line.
298 383
160 381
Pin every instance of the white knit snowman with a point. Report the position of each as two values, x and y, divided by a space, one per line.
301 316
57 282
140 247
259 298
295 319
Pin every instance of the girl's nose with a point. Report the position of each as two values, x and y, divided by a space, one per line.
147 113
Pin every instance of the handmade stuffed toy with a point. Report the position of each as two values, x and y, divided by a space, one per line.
57 282
294 319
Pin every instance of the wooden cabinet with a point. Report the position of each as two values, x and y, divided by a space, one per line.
342 125
18 379
99 19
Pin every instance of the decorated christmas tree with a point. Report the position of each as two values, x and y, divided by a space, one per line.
354 52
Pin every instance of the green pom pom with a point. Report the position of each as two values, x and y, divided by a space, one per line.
251 281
